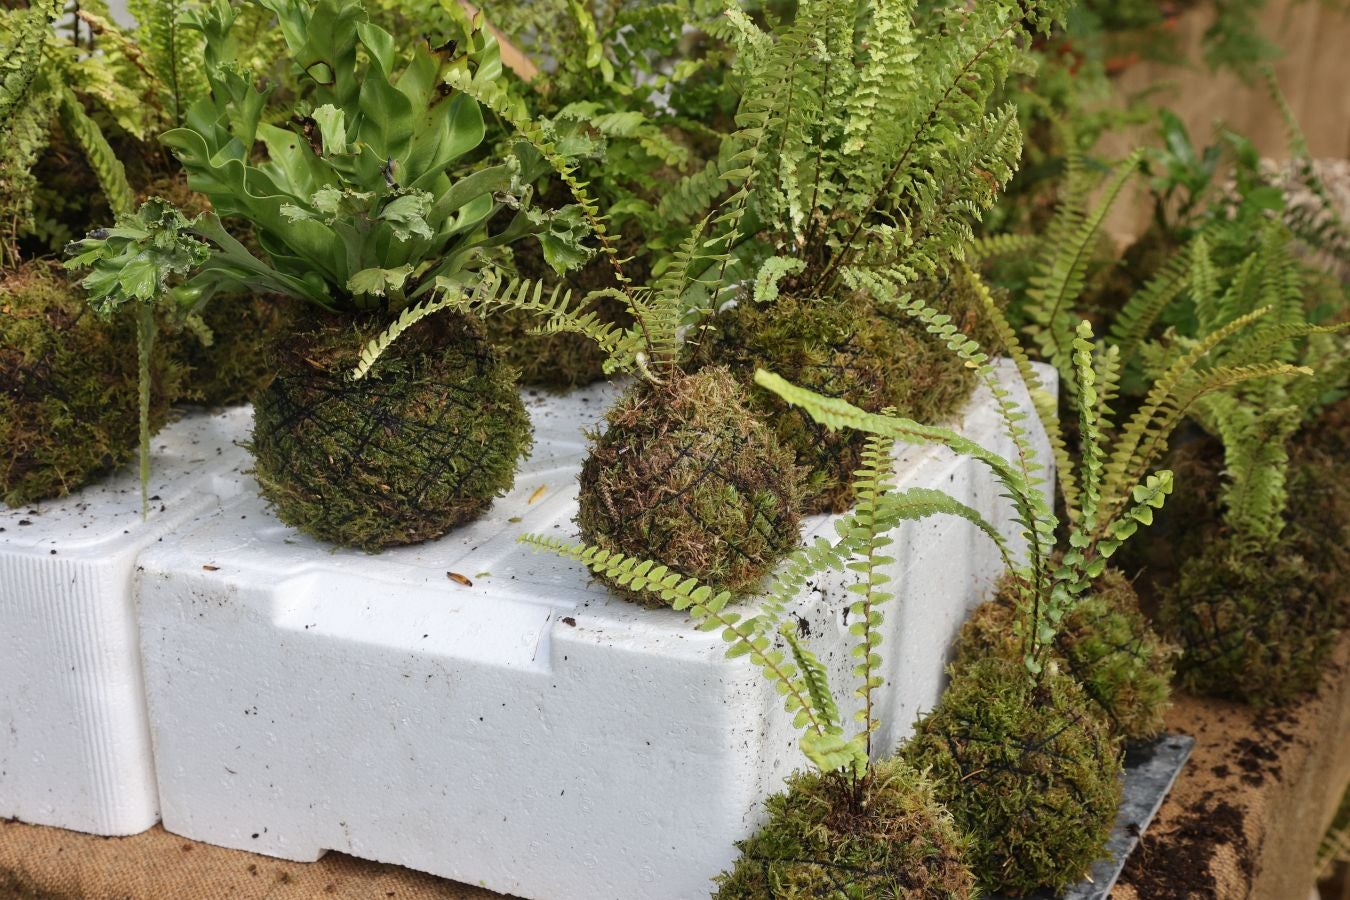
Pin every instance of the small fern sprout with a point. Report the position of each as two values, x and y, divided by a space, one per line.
138 261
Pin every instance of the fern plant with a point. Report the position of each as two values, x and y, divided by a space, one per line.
137 262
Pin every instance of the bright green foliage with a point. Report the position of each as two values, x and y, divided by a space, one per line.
356 204
796 673
44 78
25 37
1028 771
68 394
1256 419
136 262
1106 644
422 444
685 474
888 838
1107 517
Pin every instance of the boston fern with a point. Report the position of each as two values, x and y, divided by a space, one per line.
864 144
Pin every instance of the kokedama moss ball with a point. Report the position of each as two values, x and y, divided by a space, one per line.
1028 770
1253 625
68 386
420 445
848 349
893 840
687 476
1105 643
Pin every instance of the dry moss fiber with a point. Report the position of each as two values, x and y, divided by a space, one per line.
68 386
886 839
685 475
1028 770
849 349
422 444
1105 643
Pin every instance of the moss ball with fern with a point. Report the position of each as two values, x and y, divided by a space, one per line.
1255 625
1124 667
847 349
422 444
68 386
1029 771
685 475
887 837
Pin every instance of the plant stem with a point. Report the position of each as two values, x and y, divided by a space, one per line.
145 345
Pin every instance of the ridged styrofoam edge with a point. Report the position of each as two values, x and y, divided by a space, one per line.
74 736
530 733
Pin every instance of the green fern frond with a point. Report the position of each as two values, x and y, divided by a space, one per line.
994 246
102 159
709 614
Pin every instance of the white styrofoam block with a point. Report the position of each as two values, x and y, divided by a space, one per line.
530 733
74 738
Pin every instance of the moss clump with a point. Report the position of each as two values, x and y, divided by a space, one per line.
1028 770
1254 624
422 444
847 349
237 366
888 839
68 386
687 476
1105 643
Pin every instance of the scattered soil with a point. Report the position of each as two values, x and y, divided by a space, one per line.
1247 812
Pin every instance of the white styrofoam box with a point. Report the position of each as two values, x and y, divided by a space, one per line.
74 738
530 733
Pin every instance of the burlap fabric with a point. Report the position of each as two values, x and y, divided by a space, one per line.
1245 817
50 864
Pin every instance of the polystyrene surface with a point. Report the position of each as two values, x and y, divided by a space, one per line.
74 737
528 732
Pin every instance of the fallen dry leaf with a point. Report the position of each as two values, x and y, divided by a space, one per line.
459 579
211 568
539 492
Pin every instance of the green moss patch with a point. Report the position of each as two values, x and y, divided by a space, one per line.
1254 624
1028 770
687 476
422 444
848 349
1105 643
68 387
237 365
887 838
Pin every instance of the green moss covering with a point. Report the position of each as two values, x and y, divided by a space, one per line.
237 364
847 349
1254 624
1106 644
891 839
68 386
687 476
422 444
1028 770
